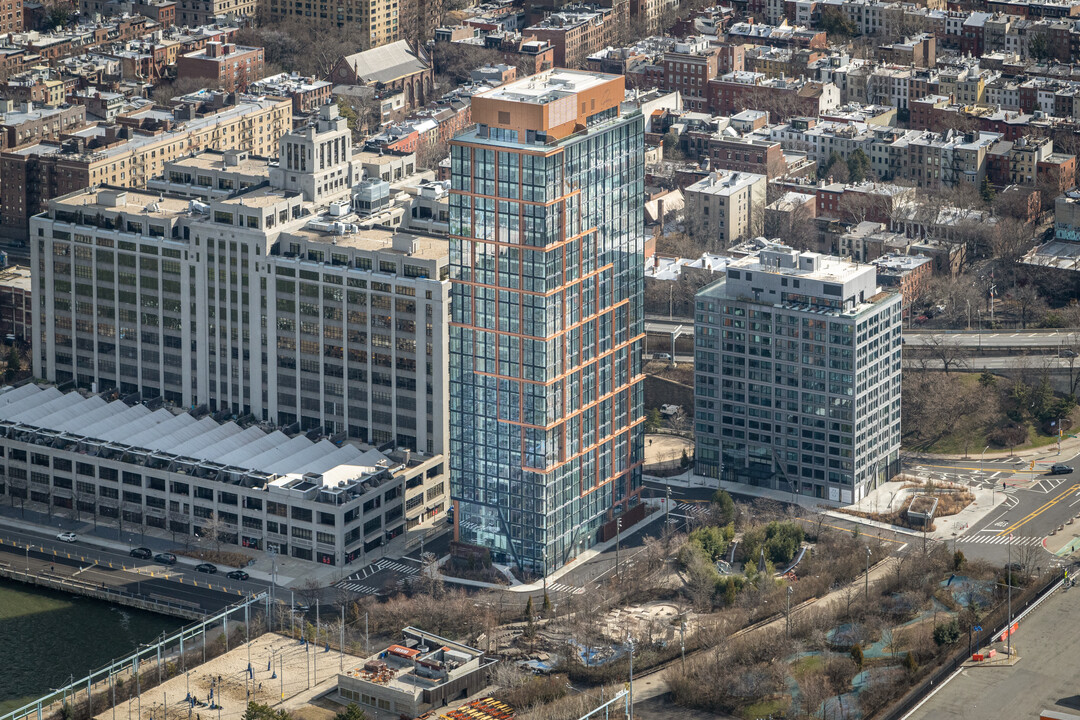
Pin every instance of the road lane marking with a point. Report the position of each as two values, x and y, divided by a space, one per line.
1040 510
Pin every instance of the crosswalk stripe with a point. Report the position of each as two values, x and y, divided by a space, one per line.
561 587
1002 540
363 589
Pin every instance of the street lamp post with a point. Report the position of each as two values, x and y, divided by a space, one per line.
630 640
790 590
866 585
545 572
618 534
682 638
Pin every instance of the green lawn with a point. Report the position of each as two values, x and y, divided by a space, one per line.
806 665
971 441
764 708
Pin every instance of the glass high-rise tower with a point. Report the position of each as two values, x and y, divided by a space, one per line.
547 263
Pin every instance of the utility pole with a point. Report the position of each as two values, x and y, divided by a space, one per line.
1009 627
630 640
341 646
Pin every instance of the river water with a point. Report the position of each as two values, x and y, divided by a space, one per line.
47 636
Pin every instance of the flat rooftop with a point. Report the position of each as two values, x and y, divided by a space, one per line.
17 277
724 183
95 422
774 258
1045 678
900 262
377 240
547 86
17 117
215 160
258 197
399 666
151 204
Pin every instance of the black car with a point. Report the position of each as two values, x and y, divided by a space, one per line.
165 558
143 553
237 575
206 568
1059 469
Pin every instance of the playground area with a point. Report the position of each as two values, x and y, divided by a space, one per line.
883 648
649 622
281 669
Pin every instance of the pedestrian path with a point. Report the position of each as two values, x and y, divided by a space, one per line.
991 539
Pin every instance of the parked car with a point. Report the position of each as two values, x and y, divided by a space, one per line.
143 553
661 356
1067 354
208 568
237 575
165 558
68 537
1059 469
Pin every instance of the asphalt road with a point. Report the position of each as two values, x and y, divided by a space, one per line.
1002 362
83 560
1021 338
1036 502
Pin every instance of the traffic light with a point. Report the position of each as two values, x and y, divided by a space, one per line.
1032 465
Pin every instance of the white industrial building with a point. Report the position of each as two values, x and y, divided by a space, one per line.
80 454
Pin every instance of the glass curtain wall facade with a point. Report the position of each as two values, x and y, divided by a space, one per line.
547 325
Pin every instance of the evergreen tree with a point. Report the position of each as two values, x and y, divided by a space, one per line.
857 655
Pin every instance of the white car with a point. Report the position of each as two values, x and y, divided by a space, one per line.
68 537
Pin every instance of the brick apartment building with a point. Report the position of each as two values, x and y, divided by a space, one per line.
24 125
751 155
131 153
11 16
688 68
223 65
576 34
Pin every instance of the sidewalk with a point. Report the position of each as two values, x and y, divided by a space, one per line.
985 501
291 572
1070 447
689 480
580 561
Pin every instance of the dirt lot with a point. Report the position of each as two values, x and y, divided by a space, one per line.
666 448
298 668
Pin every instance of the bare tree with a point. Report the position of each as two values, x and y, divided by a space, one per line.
1029 304
212 529
1027 558
946 351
